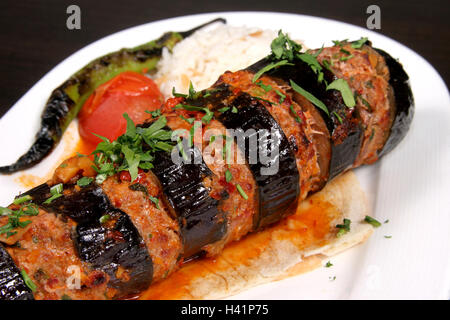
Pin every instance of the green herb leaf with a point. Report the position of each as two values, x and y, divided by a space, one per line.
269 67
155 113
155 201
131 128
266 88
241 191
309 97
30 284
178 95
228 175
359 43
222 110
337 117
296 116
105 218
22 199
372 221
84 181
343 228
342 86
328 265
139 187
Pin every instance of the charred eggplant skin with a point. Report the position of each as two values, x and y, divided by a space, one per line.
404 102
200 220
106 246
346 136
67 100
12 285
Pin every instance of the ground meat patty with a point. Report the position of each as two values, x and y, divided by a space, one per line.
44 249
368 76
159 231
296 123
239 212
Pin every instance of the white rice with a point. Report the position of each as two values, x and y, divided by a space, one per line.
205 55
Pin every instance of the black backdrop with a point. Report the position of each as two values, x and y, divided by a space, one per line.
34 37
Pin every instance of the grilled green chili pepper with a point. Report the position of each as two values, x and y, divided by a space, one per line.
66 101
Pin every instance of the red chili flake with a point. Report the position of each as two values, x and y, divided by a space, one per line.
228 186
125 176
172 102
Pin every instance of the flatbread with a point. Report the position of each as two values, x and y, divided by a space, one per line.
296 245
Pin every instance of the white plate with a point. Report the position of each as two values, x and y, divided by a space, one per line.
410 186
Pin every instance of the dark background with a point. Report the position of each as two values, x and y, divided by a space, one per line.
34 37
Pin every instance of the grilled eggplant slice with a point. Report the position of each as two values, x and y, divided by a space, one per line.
12 285
67 100
278 190
105 237
404 102
342 122
201 222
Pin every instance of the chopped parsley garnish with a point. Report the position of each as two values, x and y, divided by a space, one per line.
281 95
340 43
208 113
337 116
224 109
343 228
63 165
139 187
56 192
309 97
14 218
128 151
155 201
372 221
188 120
269 67
315 66
388 237
234 110
283 47
178 95
329 264
105 218
241 191
22 199
65 297
297 118
346 58
192 93
345 51
26 278
327 64
266 88
228 175
154 114
342 86
85 181
359 43
386 221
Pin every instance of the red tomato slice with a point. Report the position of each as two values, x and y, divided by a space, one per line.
102 113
